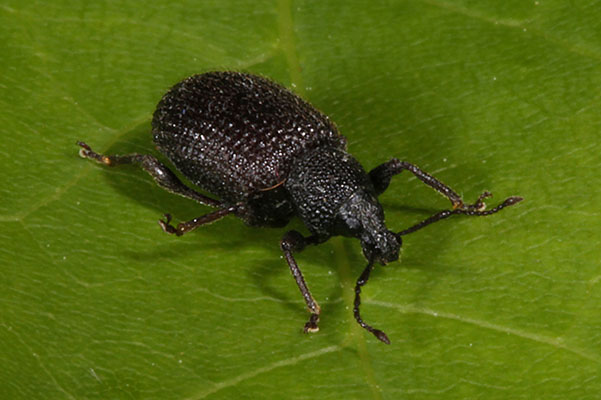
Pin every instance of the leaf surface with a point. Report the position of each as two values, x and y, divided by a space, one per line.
97 302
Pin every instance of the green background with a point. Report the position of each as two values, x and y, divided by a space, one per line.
97 302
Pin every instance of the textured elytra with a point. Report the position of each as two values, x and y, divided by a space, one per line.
236 136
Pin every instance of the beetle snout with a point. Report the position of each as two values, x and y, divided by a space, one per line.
389 248
383 248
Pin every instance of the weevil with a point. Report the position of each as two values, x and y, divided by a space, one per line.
265 155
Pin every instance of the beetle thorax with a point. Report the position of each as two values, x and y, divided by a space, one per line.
320 182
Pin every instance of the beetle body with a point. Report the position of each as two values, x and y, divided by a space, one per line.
237 136
267 155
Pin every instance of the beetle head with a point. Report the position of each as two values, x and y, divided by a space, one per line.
362 216
383 247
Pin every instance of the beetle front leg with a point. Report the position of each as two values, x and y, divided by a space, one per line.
295 242
381 175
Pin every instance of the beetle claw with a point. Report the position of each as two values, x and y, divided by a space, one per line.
166 226
478 205
85 150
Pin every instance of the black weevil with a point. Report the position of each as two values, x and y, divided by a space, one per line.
268 155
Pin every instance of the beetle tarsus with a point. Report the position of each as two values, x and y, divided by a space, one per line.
167 227
478 209
87 152
479 204
187 226
311 325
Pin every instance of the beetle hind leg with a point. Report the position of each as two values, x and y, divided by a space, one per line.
162 175
185 227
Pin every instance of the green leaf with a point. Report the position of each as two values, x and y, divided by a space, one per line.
97 302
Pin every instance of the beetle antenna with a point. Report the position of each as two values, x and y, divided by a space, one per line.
360 282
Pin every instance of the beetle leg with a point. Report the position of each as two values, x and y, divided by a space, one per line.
476 209
295 242
185 227
162 175
381 175
360 282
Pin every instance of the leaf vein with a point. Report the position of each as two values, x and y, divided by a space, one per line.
251 374
579 49
554 342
